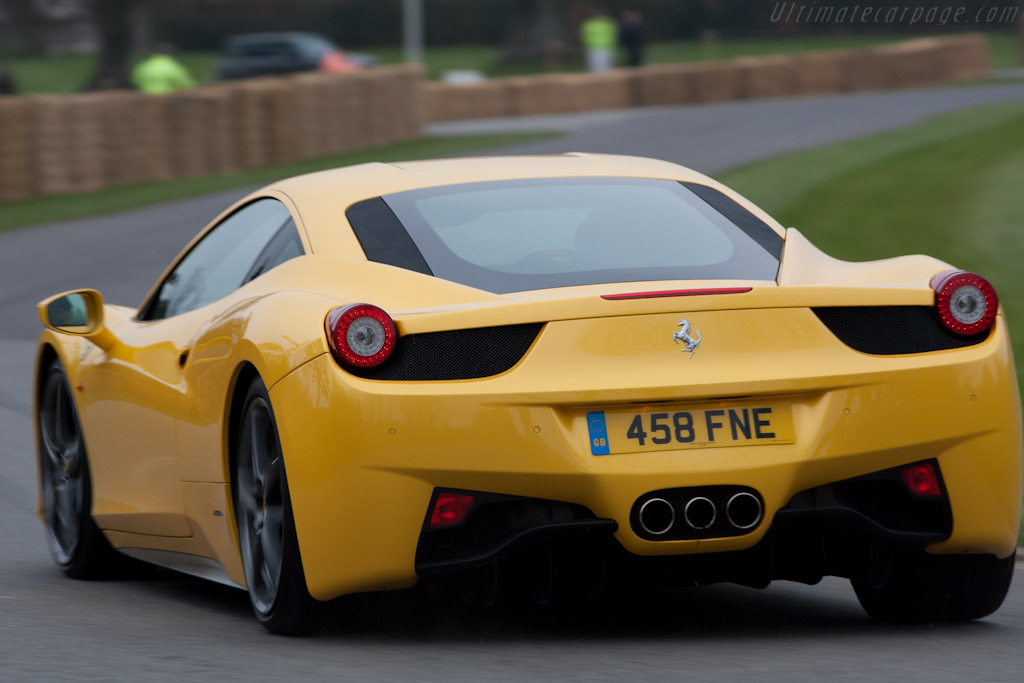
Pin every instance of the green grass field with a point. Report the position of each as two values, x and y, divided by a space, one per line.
949 187
69 73
28 212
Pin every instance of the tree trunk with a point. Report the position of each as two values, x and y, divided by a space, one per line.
25 23
143 41
114 21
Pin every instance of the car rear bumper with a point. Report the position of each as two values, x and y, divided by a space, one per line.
532 549
365 457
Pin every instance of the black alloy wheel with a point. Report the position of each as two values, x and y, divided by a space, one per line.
928 588
266 528
75 542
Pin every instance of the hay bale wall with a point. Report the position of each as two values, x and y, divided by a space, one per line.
908 64
53 145
74 143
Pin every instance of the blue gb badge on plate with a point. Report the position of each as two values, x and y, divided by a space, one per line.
598 433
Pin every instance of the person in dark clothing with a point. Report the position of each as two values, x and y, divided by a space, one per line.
632 38
7 86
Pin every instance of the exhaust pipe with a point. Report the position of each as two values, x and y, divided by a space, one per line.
743 510
657 516
700 513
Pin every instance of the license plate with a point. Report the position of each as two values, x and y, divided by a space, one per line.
664 428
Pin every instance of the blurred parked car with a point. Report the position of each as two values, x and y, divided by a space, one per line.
267 54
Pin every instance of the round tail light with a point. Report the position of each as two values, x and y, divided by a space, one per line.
966 303
361 335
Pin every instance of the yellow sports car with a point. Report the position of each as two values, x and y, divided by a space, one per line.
516 376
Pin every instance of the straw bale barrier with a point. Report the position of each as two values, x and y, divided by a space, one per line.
59 144
908 64
17 172
53 145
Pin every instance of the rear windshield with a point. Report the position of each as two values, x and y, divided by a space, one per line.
517 235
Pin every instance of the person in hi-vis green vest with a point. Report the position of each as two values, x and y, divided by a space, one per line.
599 35
161 73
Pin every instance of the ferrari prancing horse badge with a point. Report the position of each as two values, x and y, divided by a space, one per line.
683 335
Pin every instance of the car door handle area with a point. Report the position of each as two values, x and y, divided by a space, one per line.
183 357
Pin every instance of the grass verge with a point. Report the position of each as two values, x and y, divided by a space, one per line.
27 212
949 187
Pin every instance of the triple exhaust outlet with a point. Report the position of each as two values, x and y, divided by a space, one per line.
658 516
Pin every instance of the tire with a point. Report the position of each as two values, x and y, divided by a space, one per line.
75 542
929 588
266 527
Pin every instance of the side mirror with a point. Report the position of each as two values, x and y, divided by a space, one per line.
79 313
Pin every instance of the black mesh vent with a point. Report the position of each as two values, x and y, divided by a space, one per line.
891 330
492 523
455 354
883 498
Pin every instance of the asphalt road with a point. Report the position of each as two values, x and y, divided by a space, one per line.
712 138
172 627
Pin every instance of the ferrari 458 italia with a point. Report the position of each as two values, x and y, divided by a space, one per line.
524 375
